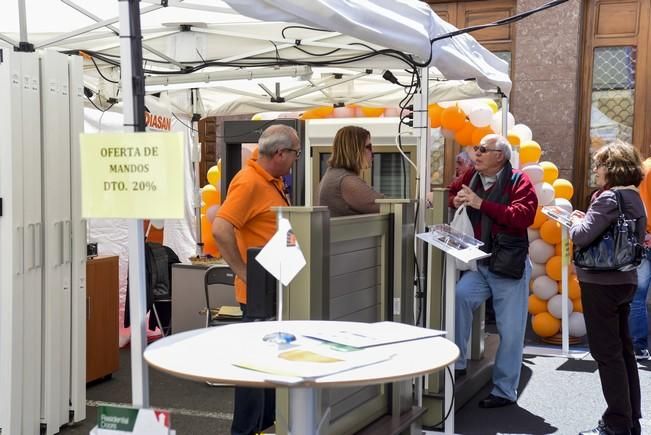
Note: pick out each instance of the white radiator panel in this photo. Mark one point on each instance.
(33, 278)
(78, 288)
(12, 240)
(58, 243)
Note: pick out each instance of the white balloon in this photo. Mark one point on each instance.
(563, 203)
(576, 325)
(540, 251)
(496, 122)
(535, 172)
(391, 111)
(467, 105)
(538, 269)
(481, 116)
(343, 112)
(545, 288)
(545, 193)
(555, 306)
(522, 131)
(533, 234)
(446, 104)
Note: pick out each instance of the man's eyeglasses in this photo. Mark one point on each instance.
(482, 149)
(298, 151)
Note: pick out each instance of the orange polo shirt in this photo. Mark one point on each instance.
(645, 192)
(251, 194)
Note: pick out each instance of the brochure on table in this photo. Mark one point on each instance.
(330, 350)
(559, 214)
(461, 246)
(375, 334)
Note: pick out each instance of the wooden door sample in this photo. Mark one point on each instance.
(102, 330)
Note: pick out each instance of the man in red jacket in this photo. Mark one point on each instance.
(501, 204)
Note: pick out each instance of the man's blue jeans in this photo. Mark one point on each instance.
(638, 319)
(510, 298)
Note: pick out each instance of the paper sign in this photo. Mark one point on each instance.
(282, 256)
(132, 175)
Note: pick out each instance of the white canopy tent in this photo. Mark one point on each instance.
(234, 37)
(283, 56)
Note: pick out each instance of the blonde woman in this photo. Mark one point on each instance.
(342, 189)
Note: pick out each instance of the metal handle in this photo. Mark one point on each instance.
(30, 244)
(67, 241)
(20, 250)
(37, 245)
(58, 231)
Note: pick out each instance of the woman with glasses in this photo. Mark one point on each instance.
(342, 189)
(606, 295)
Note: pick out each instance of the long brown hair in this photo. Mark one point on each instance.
(349, 148)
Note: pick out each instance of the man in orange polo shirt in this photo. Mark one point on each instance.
(245, 220)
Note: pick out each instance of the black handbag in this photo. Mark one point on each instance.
(616, 249)
(508, 255)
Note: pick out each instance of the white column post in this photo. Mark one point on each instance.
(130, 20)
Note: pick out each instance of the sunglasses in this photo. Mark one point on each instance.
(369, 146)
(482, 149)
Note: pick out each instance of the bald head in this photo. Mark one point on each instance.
(277, 138)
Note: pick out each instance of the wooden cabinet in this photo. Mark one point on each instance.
(102, 348)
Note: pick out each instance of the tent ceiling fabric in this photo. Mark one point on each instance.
(245, 31)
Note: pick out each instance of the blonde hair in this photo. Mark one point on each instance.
(349, 148)
(622, 162)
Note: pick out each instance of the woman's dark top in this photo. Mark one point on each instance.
(345, 193)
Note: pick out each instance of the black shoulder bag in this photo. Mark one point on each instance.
(616, 249)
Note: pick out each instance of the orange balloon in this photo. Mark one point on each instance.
(545, 325)
(209, 245)
(453, 118)
(210, 195)
(372, 112)
(540, 219)
(513, 139)
(434, 112)
(530, 152)
(479, 134)
(317, 113)
(553, 268)
(574, 288)
(550, 172)
(550, 232)
(563, 188)
(577, 305)
(536, 305)
(464, 136)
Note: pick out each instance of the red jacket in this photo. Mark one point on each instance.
(512, 218)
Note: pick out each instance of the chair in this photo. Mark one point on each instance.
(216, 275)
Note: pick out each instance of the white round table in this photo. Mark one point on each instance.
(209, 354)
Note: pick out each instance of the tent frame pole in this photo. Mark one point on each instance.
(133, 93)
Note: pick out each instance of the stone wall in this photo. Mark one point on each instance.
(546, 75)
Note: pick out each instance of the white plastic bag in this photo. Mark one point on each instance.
(461, 222)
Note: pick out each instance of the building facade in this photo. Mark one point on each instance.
(580, 72)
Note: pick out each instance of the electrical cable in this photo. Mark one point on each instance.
(97, 107)
(183, 123)
(503, 21)
(447, 414)
(100, 72)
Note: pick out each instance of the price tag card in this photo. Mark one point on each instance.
(132, 175)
